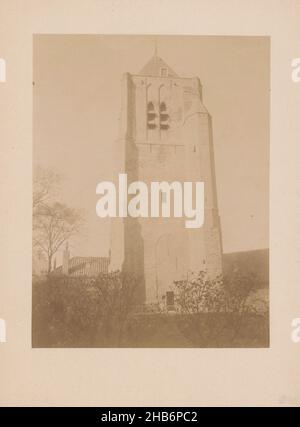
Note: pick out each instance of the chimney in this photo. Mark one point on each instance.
(66, 256)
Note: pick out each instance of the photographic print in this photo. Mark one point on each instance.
(150, 191)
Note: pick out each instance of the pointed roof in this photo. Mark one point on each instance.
(154, 66)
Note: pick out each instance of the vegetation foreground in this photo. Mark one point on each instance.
(103, 312)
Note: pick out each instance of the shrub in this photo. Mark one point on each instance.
(228, 303)
(82, 311)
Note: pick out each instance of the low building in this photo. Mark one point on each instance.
(82, 266)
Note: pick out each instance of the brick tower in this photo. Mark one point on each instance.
(165, 135)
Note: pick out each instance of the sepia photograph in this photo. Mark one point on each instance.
(150, 218)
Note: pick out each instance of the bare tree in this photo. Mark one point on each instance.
(53, 222)
(45, 184)
(53, 225)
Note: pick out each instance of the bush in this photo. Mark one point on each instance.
(200, 294)
(82, 311)
(104, 312)
(229, 304)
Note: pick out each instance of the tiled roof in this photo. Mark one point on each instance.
(86, 266)
(154, 66)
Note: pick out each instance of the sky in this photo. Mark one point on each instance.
(76, 105)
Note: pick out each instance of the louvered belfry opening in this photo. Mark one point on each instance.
(151, 116)
(163, 116)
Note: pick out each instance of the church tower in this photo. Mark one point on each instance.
(165, 135)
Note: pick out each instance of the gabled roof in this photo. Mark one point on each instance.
(154, 66)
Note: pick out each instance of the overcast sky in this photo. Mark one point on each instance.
(77, 103)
